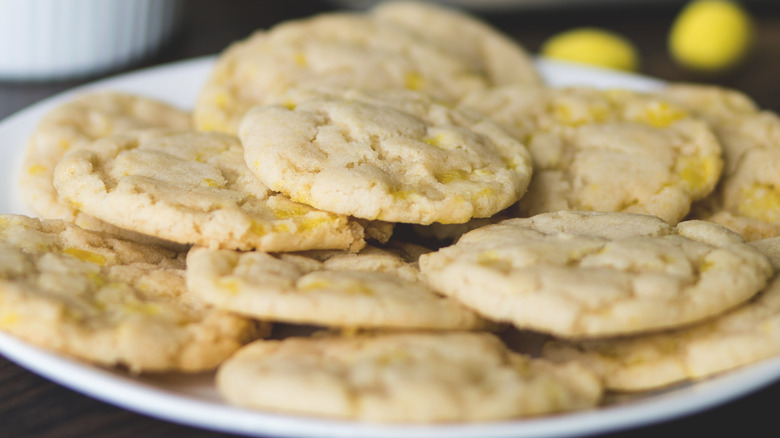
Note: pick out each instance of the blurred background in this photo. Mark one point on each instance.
(206, 27)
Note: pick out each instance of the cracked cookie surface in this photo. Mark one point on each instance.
(499, 58)
(409, 377)
(613, 150)
(747, 199)
(587, 274)
(744, 335)
(373, 288)
(75, 124)
(194, 188)
(338, 50)
(108, 300)
(393, 156)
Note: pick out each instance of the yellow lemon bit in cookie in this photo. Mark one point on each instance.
(281, 228)
(711, 35)
(393, 358)
(308, 285)
(140, 308)
(762, 202)
(312, 223)
(8, 319)
(351, 287)
(36, 169)
(87, 256)
(512, 162)
(697, 172)
(487, 172)
(661, 115)
(493, 260)
(290, 210)
(767, 326)
(358, 288)
(257, 228)
(564, 115)
(223, 100)
(302, 196)
(96, 279)
(706, 266)
(451, 175)
(589, 45)
(522, 368)
(229, 285)
(290, 105)
(300, 60)
(402, 194)
(595, 113)
(485, 192)
(208, 182)
(433, 141)
(414, 81)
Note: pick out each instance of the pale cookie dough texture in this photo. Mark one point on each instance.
(411, 378)
(745, 335)
(499, 58)
(747, 199)
(193, 188)
(336, 49)
(373, 288)
(395, 156)
(606, 150)
(107, 300)
(75, 124)
(587, 274)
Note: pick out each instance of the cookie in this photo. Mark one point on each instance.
(411, 377)
(193, 188)
(373, 288)
(747, 199)
(335, 49)
(745, 335)
(108, 301)
(78, 123)
(588, 274)
(393, 156)
(612, 151)
(496, 56)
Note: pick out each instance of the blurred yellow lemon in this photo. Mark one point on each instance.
(590, 45)
(711, 35)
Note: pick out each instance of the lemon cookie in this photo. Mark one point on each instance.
(411, 377)
(612, 150)
(373, 288)
(193, 188)
(395, 156)
(108, 300)
(747, 199)
(742, 336)
(499, 58)
(78, 123)
(336, 49)
(588, 274)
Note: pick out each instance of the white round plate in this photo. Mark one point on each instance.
(193, 400)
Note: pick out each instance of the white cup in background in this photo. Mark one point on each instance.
(43, 40)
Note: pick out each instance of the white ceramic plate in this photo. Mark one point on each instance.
(192, 399)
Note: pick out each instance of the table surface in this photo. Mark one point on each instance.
(33, 406)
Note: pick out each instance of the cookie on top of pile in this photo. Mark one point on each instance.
(273, 232)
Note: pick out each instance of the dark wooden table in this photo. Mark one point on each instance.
(31, 406)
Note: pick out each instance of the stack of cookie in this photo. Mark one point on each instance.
(323, 151)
